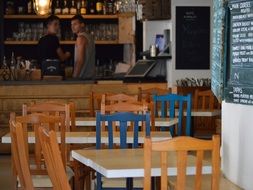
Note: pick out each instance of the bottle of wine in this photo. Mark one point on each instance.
(73, 10)
(110, 6)
(57, 8)
(105, 7)
(30, 7)
(78, 7)
(92, 7)
(99, 7)
(83, 7)
(65, 9)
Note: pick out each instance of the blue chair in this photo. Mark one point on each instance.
(123, 118)
(168, 103)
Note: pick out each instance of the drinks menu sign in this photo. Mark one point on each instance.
(240, 85)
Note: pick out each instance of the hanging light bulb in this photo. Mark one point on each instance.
(42, 7)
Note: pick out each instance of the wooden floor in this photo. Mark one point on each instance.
(5, 178)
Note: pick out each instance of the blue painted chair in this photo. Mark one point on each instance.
(168, 104)
(123, 118)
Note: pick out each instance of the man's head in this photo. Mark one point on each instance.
(77, 24)
(53, 24)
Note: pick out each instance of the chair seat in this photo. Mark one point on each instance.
(121, 183)
(40, 181)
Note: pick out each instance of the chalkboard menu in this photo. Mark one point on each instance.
(192, 38)
(219, 47)
(240, 86)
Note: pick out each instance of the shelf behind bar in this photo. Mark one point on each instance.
(8, 42)
(68, 16)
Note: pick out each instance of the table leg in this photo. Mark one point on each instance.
(129, 183)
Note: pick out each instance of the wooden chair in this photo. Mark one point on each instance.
(146, 95)
(19, 156)
(122, 118)
(182, 145)
(95, 102)
(169, 102)
(31, 122)
(111, 104)
(53, 159)
(54, 108)
(205, 101)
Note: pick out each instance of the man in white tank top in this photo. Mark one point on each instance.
(84, 62)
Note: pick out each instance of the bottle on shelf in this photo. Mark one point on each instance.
(83, 7)
(65, 9)
(13, 61)
(57, 8)
(110, 7)
(104, 7)
(78, 7)
(30, 7)
(73, 9)
(99, 7)
(4, 65)
(92, 7)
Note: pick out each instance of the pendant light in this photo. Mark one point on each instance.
(42, 7)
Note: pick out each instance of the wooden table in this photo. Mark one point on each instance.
(129, 162)
(90, 137)
(91, 121)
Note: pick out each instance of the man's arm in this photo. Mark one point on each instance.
(62, 56)
(80, 55)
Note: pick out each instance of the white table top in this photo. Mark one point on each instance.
(129, 162)
(90, 137)
(91, 121)
(204, 113)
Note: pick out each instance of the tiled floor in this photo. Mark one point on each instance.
(5, 178)
(5, 172)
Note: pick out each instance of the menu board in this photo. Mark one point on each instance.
(192, 38)
(219, 47)
(240, 86)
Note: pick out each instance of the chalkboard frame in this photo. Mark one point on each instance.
(183, 62)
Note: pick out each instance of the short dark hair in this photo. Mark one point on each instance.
(50, 19)
(78, 17)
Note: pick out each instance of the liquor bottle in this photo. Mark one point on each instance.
(105, 7)
(78, 7)
(83, 7)
(30, 7)
(92, 7)
(57, 8)
(99, 7)
(73, 10)
(110, 6)
(65, 9)
(13, 61)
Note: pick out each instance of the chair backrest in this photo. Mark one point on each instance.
(182, 145)
(54, 108)
(19, 155)
(169, 104)
(31, 123)
(113, 103)
(120, 98)
(53, 159)
(123, 118)
(95, 102)
(205, 101)
(146, 94)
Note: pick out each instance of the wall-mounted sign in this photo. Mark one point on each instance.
(192, 38)
(240, 85)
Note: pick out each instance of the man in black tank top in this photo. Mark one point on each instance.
(84, 63)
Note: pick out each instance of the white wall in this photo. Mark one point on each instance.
(237, 142)
(151, 28)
